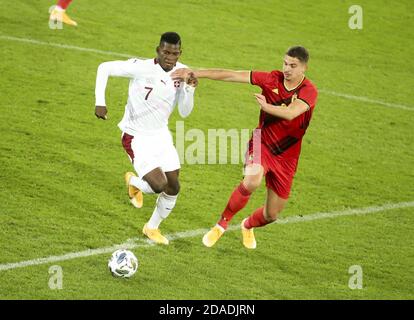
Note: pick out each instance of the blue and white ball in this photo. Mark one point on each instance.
(123, 263)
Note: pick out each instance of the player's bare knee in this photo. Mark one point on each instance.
(173, 188)
(159, 186)
(252, 184)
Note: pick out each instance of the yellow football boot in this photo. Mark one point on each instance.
(154, 235)
(135, 195)
(248, 236)
(211, 237)
(62, 17)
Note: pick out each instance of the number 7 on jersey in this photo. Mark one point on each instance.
(149, 91)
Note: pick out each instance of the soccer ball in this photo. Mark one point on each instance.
(123, 263)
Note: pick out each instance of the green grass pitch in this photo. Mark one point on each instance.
(61, 170)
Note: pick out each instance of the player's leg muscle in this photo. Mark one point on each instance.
(253, 178)
(274, 205)
(157, 180)
(173, 185)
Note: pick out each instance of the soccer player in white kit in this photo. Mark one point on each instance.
(145, 134)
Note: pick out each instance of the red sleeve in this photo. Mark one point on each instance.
(308, 94)
(258, 78)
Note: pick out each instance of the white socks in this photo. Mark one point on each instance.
(141, 185)
(165, 203)
(164, 206)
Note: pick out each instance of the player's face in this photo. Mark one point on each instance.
(293, 68)
(168, 55)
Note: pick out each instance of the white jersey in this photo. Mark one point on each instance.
(152, 94)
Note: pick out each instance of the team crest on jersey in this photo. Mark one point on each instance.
(276, 90)
(176, 84)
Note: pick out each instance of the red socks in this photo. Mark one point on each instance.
(256, 219)
(64, 3)
(237, 201)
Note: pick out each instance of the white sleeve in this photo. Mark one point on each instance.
(185, 100)
(128, 69)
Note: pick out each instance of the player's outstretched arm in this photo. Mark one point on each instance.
(290, 112)
(214, 74)
(128, 69)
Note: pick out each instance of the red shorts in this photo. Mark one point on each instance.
(279, 172)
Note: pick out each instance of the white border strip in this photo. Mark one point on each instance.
(139, 242)
(125, 55)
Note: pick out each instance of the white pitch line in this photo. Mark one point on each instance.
(139, 242)
(125, 55)
(368, 100)
(66, 46)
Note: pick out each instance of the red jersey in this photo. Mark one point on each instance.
(283, 137)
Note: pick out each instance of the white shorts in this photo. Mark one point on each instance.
(151, 150)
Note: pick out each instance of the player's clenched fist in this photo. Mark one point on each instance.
(261, 100)
(100, 112)
(192, 80)
(183, 74)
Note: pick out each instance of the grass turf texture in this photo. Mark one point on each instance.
(61, 170)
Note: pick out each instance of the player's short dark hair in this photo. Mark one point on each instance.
(171, 38)
(299, 52)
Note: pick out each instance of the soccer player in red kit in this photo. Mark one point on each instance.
(59, 13)
(287, 101)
